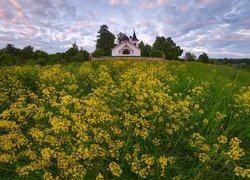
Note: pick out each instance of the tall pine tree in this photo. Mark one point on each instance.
(105, 40)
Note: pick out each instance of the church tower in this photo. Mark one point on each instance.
(133, 39)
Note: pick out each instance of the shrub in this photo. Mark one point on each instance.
(98, 53)
(156, 53)
(203, 58)
(85, 55)
(8, 59)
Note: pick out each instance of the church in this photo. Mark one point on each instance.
(128, 46)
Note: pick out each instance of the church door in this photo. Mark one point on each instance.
(125, 51)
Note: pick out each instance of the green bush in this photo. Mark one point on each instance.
(203, 58)
(99, 53)
(8, 59)
(156, 53)
(85, 55)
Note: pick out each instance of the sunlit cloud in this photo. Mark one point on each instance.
(118, 2)
(151, 4)
(17, 8)
(163, 1)
(2, 14)
(220, 28)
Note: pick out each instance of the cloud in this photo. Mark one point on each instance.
(230, 18)
(118, 2)
(151, 4)
(40, 21)
(17, 8)
(207, 2)
(163, 1)
(220, 28)
(2, 14)
(184, 7)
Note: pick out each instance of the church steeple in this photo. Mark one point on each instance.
(134, 38)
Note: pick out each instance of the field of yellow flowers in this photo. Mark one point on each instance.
(124, 120)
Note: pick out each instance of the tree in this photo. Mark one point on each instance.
(75, 47)
(75, 55)
(40, 54)
(56, 58)
(27, 53)
(145, 49)
(156, 53)
(119, 37)
(71, 52)
(203, 58)
(189, 57)
(168, 47)
(105, 40)
(141, 45)
(8, 59)
(10, 49)
(85, 54)
(98, 53)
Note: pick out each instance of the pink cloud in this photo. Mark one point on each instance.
(118, 2)
(163, 1)
(207, 2)
(184, 7)
(28, 29)
(247, 21)
(17, 8)
(2, 14)
(150, 4)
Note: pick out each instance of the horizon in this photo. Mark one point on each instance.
(219, 28)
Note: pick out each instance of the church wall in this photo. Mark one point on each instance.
(115, 51)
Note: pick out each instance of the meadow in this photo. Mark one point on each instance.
(124, 120)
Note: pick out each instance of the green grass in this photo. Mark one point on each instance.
(127, 102)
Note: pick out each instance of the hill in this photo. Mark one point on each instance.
(124, 119)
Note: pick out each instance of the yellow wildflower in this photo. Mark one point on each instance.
(235, 151)
(115, 169)
(239, 171)
(205, 122)
(222, 139)
(99, 177)
(203, 157)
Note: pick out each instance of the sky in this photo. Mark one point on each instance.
(221, 28)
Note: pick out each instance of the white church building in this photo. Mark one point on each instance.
(128, 46)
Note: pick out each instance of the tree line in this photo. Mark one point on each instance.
(163, 47)
(10, 55)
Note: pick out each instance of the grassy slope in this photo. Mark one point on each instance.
(223, 81)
